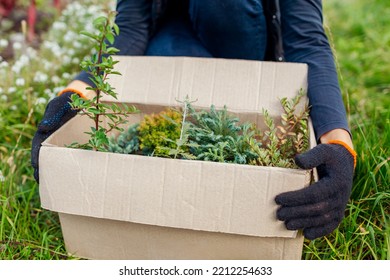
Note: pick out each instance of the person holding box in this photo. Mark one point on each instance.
(286, 30)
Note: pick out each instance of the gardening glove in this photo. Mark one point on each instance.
(58, 112)
(319, 208)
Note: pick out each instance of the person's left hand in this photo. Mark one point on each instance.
(319, 208)
(58, 112)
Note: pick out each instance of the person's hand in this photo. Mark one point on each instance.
(319, 208)
(58, 112)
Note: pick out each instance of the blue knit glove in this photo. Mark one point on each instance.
(319, 208)
(58, 112)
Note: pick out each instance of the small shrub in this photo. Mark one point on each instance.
(157, 131)
(217, 136)
(127, 142)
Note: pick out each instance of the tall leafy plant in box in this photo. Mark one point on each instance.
(100, 65)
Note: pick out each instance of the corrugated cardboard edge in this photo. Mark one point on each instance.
(132, 241)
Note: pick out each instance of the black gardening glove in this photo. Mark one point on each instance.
(57, 113)
(319, 208)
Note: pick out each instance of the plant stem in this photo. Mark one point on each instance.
(184, 119)
(98, 91)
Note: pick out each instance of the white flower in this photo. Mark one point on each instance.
(58, 25)
(66, 59)
(4, 64)
(3, 43)
(31, 53)
(11, 89)
(2, 178)
(16, 68)
(17, 45)
(55, 79)
(20, 82)
(70, 36)
(76, 60)
(13, 108)
(53, 47)
(24, 59)
(47, 91)
(40, 77)
(71, 52)
(47, 65)
(41, 100)
(20, 63)
(66, 75)
(3, 97)
(77, 44)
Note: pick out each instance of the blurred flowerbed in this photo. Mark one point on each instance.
(37, 72)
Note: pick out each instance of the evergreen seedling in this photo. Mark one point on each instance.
(127, 142)
(217, 136)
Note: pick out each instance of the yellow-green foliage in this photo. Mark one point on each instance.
(158, 132)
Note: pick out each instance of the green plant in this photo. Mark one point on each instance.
(127, 142)
(280, 143)
(100, 66)
(182, 145)
(216, 136)
(158, 132)
(293, 132)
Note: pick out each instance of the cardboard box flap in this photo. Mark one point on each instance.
(217, 197)
(241, 85)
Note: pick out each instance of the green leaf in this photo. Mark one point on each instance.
(116, 28)
(93, 110)
(90, 35)
(112, 50)
(116, 73)
(99, 21)
(110, 38)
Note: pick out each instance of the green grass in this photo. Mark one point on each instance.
(362, 43)
(26, 231)
(361, 38)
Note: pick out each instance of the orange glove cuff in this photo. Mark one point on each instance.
(345, 145)
(79, 93)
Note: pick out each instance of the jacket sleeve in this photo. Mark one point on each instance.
(134, 22)
(305, 41)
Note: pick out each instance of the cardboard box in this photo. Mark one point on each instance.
(115, 206)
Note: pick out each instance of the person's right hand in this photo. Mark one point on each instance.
(57, 113)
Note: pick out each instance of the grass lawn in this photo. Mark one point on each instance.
(361, 38)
